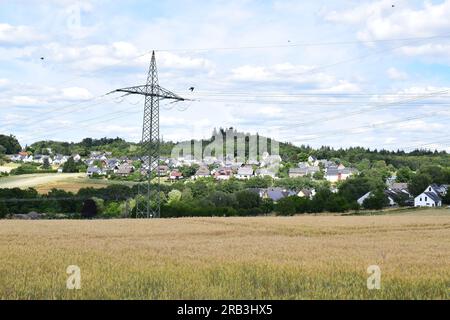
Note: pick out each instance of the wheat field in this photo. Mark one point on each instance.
(303, 257)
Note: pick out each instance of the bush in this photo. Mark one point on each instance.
(89, 209)
(29, 169)
(376, 201)
(3, 210)
(112, 210)
(286, 206)
(247, 200)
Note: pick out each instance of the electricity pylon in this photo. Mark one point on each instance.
(150, 153)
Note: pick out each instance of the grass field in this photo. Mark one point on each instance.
(7, 167)
(305, 257)
(44, 182)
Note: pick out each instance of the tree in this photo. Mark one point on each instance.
(186, 195)
(222, 199)
(302, 157)
(112, 210)
(247, 200)
(446, 198)
(89, 209)
(419, 183)
(286, 206)
(319, 175)
(267, 205)
(99, 204)
(353, 188)
(3, 210)
(318, 203)
(258, 182)
(436, 173)
(2, 151)
(336, 203)
(404, 174)
(174, 196)
(376, 201)
(10, 144)
(70, 166)
(189, 171)
(46, 164)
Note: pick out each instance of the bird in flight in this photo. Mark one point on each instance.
(192, 89)
(42, 58)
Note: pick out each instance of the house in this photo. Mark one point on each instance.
(175, 175)
(428, 199)
(244, 173)
(202, 172)
(113, 165)
(402, 186)
(432, 196)
(77, 157)
(335, 174)
(209, 160)
(37, 158)
(125, 169)
(276, 193)
(265, 173)
(325, 163)
(270, 160)
(60, 159)
(306, 193)
(393, 196)
(93, 170)
(303, 171)
(313, 161)
(163, 170)
(28, 159)
(223, 173)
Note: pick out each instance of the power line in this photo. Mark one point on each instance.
(346, 131)
(304, 44)
(370, 108)
(55, 110)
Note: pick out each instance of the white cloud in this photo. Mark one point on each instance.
(76, 93)
(395, 74)
(382, 21)
(287, 74)
(250, 73)
(17, 35)
(23, 101)
(433, 51)
(270, 111)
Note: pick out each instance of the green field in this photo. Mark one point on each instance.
(302, 257)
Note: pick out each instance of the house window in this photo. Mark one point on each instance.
(420, 199)
(426, 198)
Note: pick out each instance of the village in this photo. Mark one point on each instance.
(103, 165)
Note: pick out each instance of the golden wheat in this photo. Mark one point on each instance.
(305, 257)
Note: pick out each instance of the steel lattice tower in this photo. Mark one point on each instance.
(150, 144)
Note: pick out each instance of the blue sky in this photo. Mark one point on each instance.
(339, 73)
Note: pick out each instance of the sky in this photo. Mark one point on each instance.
(374, 74)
